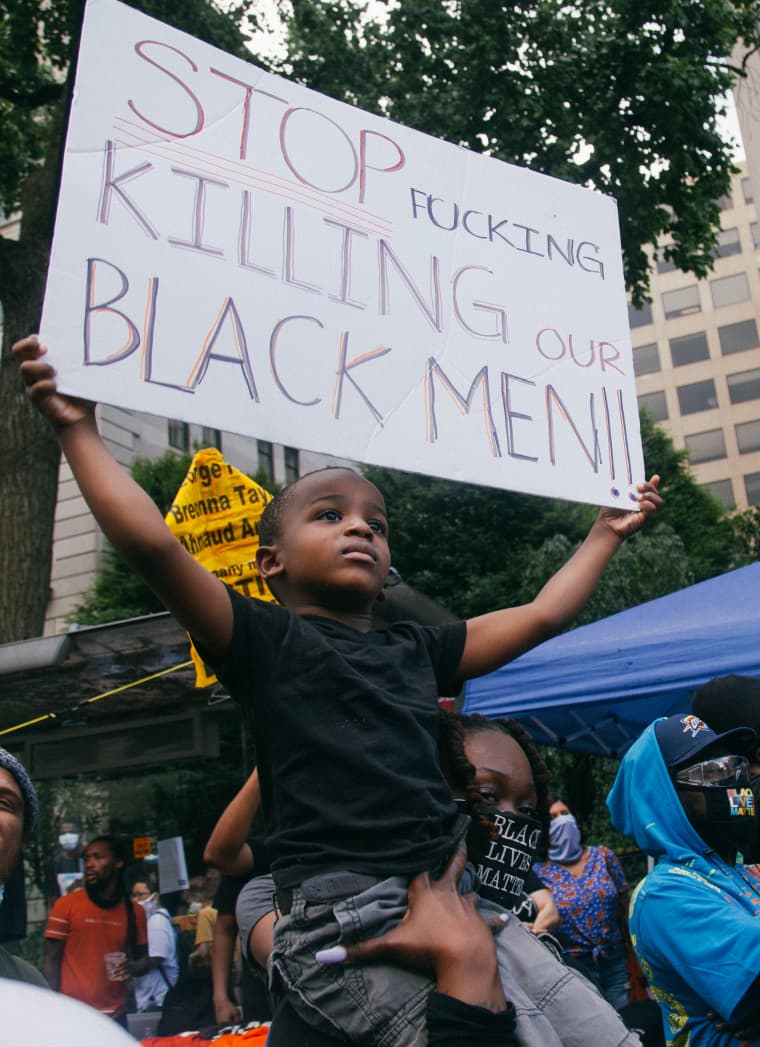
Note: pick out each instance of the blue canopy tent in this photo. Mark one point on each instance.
(595, 688)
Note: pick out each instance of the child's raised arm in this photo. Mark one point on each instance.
(129, 518)
(498, 637)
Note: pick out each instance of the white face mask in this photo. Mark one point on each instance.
(150, 905)
(68, 841)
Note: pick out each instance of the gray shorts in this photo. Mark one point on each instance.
(255, 901)
(369, 1004)
(384, 1006)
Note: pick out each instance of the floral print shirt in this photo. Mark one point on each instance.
(589, 904)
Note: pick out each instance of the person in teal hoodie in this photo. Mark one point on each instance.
(683, 793)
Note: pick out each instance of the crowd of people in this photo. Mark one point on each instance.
(417, 882)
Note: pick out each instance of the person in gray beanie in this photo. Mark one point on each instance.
(18, 817)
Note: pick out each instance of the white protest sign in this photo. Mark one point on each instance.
(235, 250)
(172, 868)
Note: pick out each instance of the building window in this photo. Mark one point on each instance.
(754, 228)
(723, 490)
(747, 193)
(211, 438)
(725, 203)
(665, 265)
(689, 349)
(752, 487)
(639, 317)
(698, 396)
(743, 386)
(681, 302)
(729, 289)
(706, 447)
(748, 436)
(654, 404)
(735, 338)
(266, 459)
(728, 243)
(646, 359)
(179, 435)
(291, 464)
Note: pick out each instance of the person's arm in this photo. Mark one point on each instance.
(498, 637)
(51, 962)
(227, 846)
(747, 1028)
(128, 516)
(547, 914)
(225, 931)
(139, 965)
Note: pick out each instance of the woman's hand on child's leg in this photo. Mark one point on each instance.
(441, 933)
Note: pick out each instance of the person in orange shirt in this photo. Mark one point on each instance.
(91, 923)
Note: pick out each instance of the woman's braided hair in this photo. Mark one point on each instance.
(460, 773)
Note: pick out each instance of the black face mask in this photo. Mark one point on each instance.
(729, 822)
(503, 860)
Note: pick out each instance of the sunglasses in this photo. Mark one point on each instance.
(722, 771)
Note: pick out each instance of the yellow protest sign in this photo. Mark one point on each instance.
(215, 516)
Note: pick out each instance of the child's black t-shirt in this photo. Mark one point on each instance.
(346, 728)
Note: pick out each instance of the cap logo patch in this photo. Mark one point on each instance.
(741, 802)
(693, 724)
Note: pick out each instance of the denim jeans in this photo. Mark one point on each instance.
(385, 1006)
(609, 974)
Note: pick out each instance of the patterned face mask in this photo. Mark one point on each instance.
(502, 859)
(729, 819)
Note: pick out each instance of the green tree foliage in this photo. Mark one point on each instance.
(38, 40)
(117, 592)
(475, 548)
(621, 96)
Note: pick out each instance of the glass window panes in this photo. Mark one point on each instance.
(735, 338)
(729, 289)
(266, 459)
(646, 359)
(748, 436)
(179, 435)
(654, 404)
(665, 265)
(697, 396)
(743, 386)
(706, 447)
(752, 487)
(754, 228)
(724, 202)
(689, 349)
(681, 302)
(723, 490)
(728, 243)
(291, 464)
(211, 438)
(747, 193)
(639, 317)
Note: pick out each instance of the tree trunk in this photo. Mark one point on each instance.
(29, 453)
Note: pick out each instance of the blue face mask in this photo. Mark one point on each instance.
(564, 839)
(2, 892)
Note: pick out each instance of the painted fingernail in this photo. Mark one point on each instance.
(336, 954)
(504, 917)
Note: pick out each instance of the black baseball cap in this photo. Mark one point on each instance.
(684, 738)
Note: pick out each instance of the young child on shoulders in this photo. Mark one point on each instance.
(345, 717)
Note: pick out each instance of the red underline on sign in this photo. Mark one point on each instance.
(245, 174)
